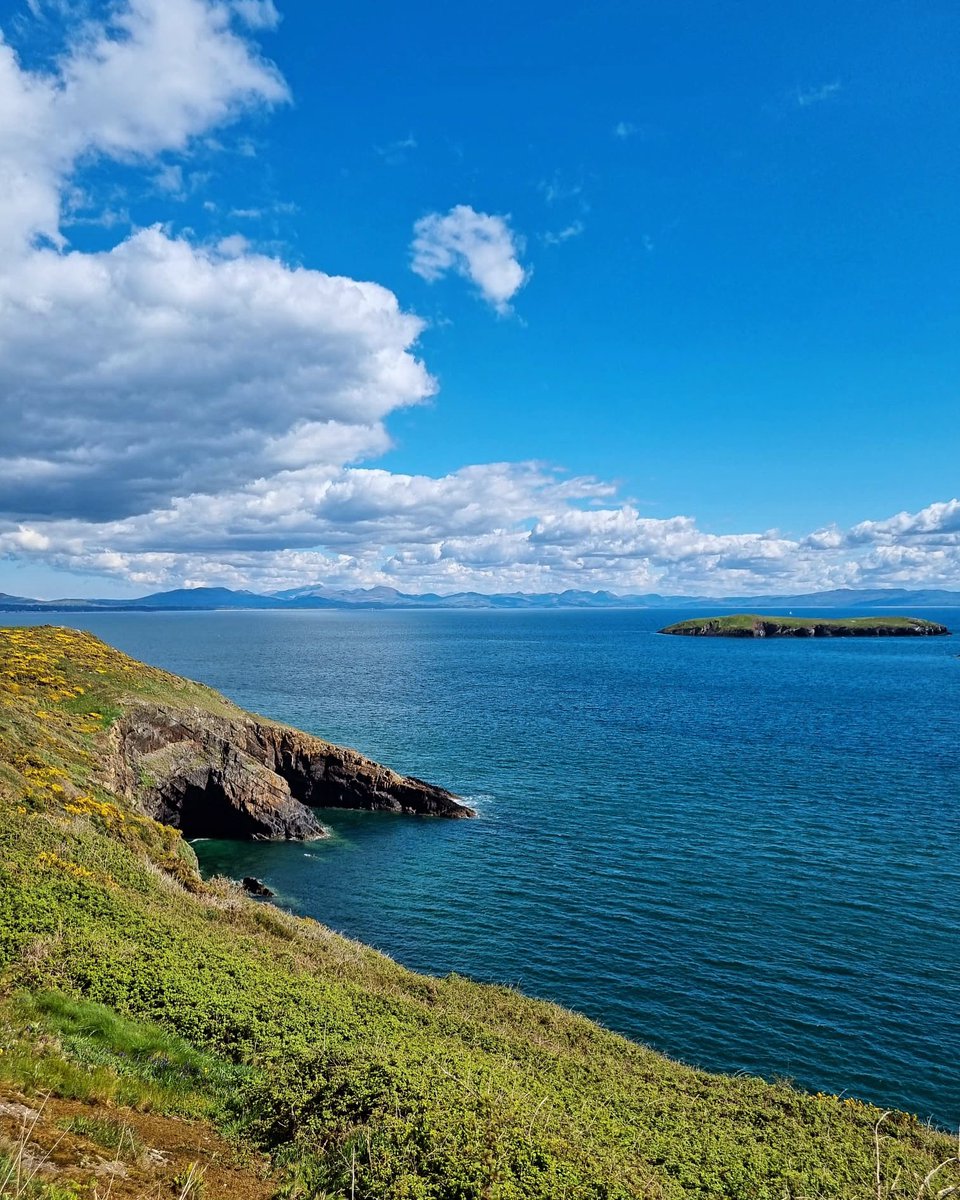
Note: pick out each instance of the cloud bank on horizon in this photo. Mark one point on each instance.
(177, 412)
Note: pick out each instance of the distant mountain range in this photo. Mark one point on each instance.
(317, 596)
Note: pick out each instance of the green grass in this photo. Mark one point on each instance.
(18, 1181)
(104, 1132)
(747, 621)
(82, 1050)
(363, 1079)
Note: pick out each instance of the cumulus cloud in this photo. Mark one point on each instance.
(176, 412)
(258, 14)
(161, 368)
(147, 79)
(936, 523)
(489, 527)
(478, 246)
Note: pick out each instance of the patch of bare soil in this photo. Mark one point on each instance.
(158, 1159)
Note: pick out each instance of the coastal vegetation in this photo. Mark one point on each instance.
(751, 625)
(160, 1033)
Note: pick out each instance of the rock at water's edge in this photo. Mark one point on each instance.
(244, 777)
(775, 627)
(256, 887)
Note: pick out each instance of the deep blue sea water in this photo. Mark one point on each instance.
(742, 853)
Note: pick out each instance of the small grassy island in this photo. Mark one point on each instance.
(166, 1035)
(745, 625)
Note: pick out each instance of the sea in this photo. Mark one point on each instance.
(743, 853)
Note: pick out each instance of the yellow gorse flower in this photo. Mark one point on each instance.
(55, 862)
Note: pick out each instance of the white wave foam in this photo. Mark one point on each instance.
(479, 801)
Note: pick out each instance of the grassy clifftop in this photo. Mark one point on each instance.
(751, 625)
(132, 986)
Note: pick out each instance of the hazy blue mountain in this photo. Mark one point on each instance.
(320, 596)
(852, 598)
(8, 601)
(201, 598)
(932, 597)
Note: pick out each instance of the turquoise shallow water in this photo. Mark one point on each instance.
(742, 853)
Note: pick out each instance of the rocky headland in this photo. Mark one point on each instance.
(241, 776)
(183, 755)
(160, 1030)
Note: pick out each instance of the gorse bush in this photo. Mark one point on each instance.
(363, 1080)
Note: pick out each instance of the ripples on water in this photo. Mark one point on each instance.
(744, 854)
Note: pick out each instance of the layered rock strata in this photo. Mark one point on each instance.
(213, 776)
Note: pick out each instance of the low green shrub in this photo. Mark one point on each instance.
(129, 980)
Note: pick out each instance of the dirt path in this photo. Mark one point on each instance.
(156, 1160)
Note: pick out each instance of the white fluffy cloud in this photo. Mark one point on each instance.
(493, 527)
(148, 79)
(182, 413)
(161, 368)
(935, 524)
(478, 246)
(258, 14)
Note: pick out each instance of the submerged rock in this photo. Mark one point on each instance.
(245, 777)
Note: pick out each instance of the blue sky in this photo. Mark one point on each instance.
(733, 355)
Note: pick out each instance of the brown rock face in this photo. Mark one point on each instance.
(826, 629)
(213, 776)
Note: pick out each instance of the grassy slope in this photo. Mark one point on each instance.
(363, 1079)
(747, 621)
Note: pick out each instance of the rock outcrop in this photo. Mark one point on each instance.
(774, 627)
(219, 776)
(826, 629)
(256, 887)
